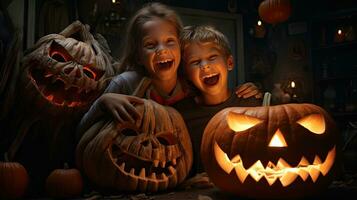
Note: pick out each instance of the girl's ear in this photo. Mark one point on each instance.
(230, 62)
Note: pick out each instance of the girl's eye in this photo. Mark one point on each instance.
(149, 45)
(195, 62)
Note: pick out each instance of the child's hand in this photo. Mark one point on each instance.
(120, 106)
(248, 90)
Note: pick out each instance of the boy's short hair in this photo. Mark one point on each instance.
(204, 33)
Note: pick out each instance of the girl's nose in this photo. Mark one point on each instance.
(161, 49)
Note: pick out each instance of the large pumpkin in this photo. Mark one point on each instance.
(277, 151)
(153, 154)
(58, 79)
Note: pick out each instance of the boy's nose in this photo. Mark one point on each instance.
(204, 65)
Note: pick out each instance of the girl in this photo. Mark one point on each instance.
(152, 51)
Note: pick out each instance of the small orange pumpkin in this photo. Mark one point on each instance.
(274, 11)
(64, 183)
(282, 151)
(13, 179)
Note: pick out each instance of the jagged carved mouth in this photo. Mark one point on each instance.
(143, 169)
(281, 171)
(53, 88)
(211, 80)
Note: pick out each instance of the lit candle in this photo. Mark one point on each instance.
(259, 23)
(339, 31)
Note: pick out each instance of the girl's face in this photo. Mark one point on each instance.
(160, 49)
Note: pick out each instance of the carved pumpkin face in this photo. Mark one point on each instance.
(68, 69)
(281, 151)
(153, 154)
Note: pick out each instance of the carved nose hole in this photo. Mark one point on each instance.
(278, 140)
(129, 132)
(68, 70)
(72, 71)
(145, 143)
(167, 139)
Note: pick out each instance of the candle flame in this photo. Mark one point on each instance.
(259, 23)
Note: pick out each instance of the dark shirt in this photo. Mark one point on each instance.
(197, 117)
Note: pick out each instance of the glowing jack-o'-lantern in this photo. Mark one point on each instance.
(281, 151)
(69, 68)
(47, 94)
(153, 154)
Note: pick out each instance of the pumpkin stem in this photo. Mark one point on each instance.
(6, 157)
(65, 166)
(266, 99)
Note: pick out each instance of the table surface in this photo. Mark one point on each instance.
(342, 189)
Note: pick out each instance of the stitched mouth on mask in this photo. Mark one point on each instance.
(211, 79)
(164, 65)
(137, 167)
(56, 91)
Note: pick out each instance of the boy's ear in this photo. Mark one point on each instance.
(230, 62)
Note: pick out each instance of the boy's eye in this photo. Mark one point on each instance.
(213, 57)
(171, 41)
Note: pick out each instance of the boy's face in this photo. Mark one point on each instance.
(160, 51)
(207, 67)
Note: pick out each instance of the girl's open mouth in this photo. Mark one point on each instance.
(165, 64)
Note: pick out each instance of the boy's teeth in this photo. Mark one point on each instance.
(209, 76)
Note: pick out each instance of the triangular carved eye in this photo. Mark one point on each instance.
(314, 123)
(238, 122)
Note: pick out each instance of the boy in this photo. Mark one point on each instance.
(207, 59)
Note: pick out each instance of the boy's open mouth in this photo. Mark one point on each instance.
(211, 79)
(165, 64)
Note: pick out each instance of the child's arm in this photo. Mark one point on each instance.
(124, 83)
(121, 107)
(247, 90)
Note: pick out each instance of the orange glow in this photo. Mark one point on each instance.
(88, 69)
(238, 122)
(281, 171)
(314, 123)
(277, 140)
